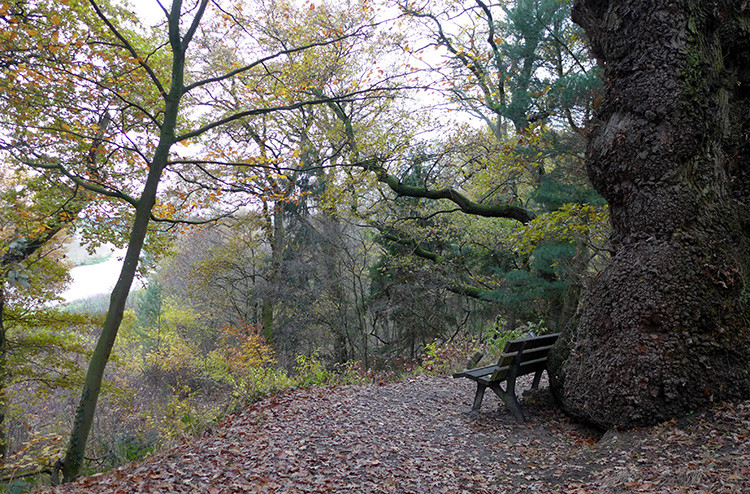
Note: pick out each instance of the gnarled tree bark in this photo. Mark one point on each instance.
(665, 327)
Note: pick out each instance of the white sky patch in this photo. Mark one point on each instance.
(148, 11)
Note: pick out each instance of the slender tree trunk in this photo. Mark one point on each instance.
(71, 465)
(267, 317)
(278, 243)
(92, 387)
(664, 329)
(3, 374)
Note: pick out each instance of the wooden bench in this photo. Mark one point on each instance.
(520, 357)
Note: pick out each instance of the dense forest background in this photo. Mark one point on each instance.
(324, 192)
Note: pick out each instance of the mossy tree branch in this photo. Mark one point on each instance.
(465, 204)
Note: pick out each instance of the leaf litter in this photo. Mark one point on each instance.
(415, 436)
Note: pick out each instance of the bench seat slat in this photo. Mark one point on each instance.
(474, 374)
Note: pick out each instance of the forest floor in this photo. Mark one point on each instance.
(416, 436)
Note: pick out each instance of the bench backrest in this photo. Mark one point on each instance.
(530, 352)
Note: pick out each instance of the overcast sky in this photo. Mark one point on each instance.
(149, 10)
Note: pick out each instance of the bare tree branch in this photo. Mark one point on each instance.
(152, 75)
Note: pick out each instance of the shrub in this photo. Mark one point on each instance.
(310, 371)
(443, 357)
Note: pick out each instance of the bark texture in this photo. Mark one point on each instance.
(665, 327)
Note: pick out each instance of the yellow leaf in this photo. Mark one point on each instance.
(55, 20)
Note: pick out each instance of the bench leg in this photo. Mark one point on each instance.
(509, 398)
(510, 392)
(537, 378)
(478, 397)
(515, 408)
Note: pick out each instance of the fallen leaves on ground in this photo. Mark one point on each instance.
(416, 437)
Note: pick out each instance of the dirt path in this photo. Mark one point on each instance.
(414, 437)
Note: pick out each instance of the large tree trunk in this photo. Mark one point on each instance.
(664, 329)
